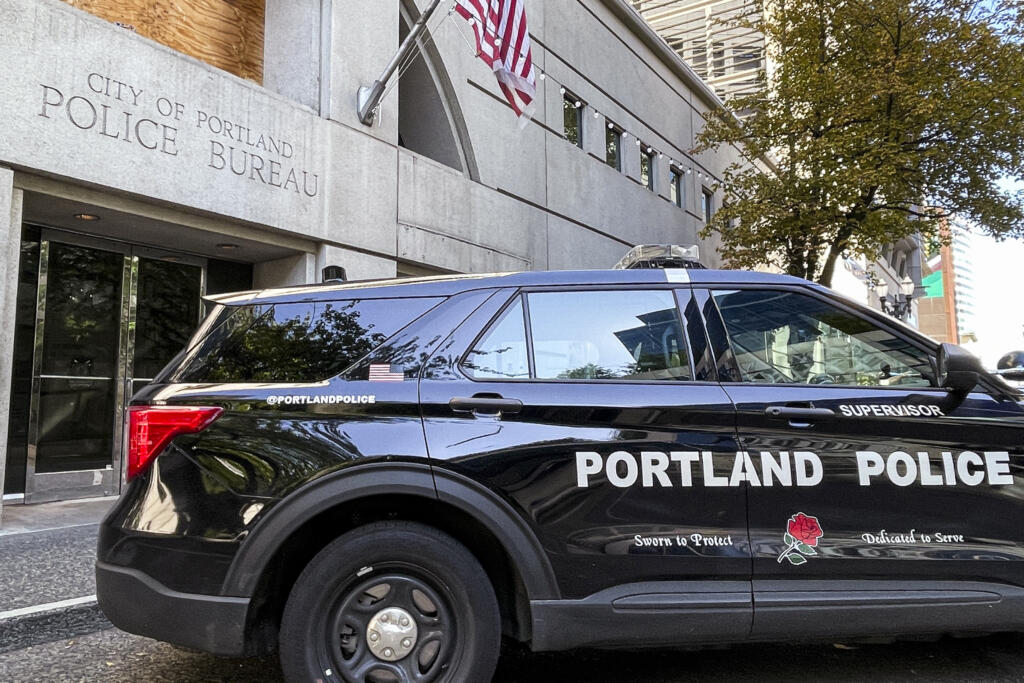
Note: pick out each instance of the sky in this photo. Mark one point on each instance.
(998, 275)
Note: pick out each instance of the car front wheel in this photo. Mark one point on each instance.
(391, 602)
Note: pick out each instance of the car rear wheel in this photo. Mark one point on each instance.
(391, 602)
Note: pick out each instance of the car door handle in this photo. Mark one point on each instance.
(486, 405)
(799, 417)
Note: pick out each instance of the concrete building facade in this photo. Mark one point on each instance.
(138, 174)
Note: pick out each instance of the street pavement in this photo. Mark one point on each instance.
(76, 643)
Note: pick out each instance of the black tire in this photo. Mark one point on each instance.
(372, 571)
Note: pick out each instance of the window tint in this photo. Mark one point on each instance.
(607, 335)
(784, 337)
(294, 342)
(501, 352)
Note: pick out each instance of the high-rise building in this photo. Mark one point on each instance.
(714, 38)
(963, 267)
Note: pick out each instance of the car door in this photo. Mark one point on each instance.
(873, 489)
(580, 408)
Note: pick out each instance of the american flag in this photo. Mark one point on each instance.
(503, 42)
(386, 373)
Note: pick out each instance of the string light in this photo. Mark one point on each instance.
(624, 134)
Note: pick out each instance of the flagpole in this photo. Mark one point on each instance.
(369, 97)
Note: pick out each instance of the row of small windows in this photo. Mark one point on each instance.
(572, 121)
(744, 58)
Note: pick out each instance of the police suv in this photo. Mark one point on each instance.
(382, 479)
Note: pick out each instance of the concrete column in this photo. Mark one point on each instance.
(593, 132)
(363, 39)
(10, 251)
(661, 177)
(630, 157)
(299, 269)
(292, 50)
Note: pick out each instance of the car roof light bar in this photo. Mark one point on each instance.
(661, 256)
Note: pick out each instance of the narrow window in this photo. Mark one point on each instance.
(707, 205)
(647, 166)
(572, 118)
(613, 146)
(675, 185)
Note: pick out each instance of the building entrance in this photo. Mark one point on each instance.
(107, 317)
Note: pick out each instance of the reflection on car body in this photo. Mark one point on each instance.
(381, 479)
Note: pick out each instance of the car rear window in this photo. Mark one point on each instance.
(293, 342)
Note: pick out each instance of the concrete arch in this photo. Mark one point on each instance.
(430, 119)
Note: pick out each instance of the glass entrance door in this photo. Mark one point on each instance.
(108, 317)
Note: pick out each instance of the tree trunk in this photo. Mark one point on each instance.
(825, 278)
(837, 247)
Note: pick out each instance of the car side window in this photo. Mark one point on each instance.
(786, 337)
(501, 351)
(604, 335)
(607, 334)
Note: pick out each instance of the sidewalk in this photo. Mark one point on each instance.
(47, 585)
(19, 519)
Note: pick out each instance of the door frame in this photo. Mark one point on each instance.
(72, 484)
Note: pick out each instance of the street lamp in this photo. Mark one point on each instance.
(897, 305)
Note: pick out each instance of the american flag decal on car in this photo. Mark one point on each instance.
(386, 373)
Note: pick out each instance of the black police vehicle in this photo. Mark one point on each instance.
(382, 479)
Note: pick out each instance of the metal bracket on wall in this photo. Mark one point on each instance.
(369, 96)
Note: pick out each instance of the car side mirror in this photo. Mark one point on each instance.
(957, 369)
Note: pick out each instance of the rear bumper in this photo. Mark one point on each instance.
(139, 604)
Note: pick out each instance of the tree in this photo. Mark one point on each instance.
(884, 117)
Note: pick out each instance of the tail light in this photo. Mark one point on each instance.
(150, 428)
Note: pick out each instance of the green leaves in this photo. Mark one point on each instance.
(795, 558)
(874, 110)
(806, 549)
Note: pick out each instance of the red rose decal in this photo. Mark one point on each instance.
(805, 529)
(802, 534)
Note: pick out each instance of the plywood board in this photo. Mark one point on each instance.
(227, 34)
